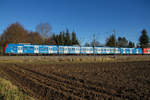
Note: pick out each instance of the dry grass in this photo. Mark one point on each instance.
(11, 92)
(71, 59)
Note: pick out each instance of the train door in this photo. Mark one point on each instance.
(36, 49)
(20, 49)
(137, 51)
(131, 51)
(50, 50)
(124, 51)
(65, 50)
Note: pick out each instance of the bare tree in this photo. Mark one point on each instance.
(44, 29)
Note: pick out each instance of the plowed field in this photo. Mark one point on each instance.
(82, 81)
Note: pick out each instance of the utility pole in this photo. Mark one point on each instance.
(115, 41)
(94, 43)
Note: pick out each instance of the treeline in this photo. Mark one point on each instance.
(15, 33)
(120, 42)
(111, 41)
(64, 38)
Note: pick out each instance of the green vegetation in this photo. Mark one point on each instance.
(144, 39)
(64, 38)
(111, 41)
(11, 92)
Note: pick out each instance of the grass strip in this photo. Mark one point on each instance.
(10, 92)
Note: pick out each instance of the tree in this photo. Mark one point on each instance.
(44, 29)
(95, 44)
(144, 39)
(74, 39)
(87, 44)
(110, 41)
(131, 44)
(57, 39)
(15, 33)
(62, 38)
(67, 38)
(34, 38)
(122, 42)
(50, 41)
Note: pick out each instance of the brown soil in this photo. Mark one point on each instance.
(82, 81)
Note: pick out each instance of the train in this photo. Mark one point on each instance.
(76, 50)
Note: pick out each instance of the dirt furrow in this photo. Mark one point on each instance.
(37, 87)
(79, 89)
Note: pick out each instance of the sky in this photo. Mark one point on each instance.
(85, 17)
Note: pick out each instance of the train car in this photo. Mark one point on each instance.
(69, 50)
(30, 49)
(27, 49)
(86, 50)
(137, 51)
(126, 50)
(52, 49)
(131, 51)
(146, 51)
(106, 50)
(14, 48)
(46, 49)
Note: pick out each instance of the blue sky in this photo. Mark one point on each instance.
(85, 17)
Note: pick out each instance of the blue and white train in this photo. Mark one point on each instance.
(57, 49)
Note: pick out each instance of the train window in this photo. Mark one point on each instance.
(61, 48)
(36, 48)
(50, 48)
(25, 48)
(31, 48)
(83, 49)
(19, 48)
(14, 48)
(46, 48)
